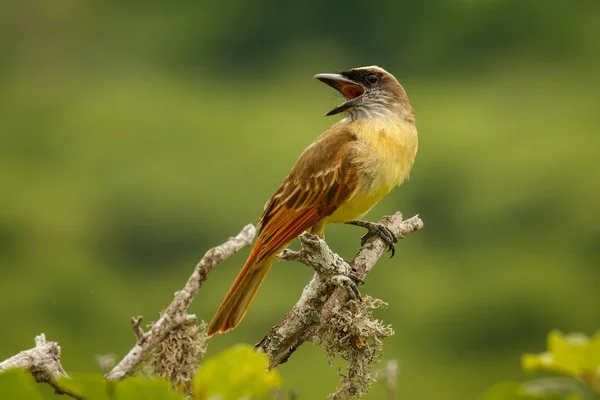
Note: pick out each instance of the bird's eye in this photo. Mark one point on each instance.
(372, 79)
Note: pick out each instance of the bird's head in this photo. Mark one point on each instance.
(369, 92)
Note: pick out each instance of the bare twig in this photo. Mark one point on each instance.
(43, 361)
(320, 300)
(137, 329)
(176, 313)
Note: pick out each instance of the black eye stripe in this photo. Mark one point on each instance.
(362, 76)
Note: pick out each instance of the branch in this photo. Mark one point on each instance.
(320, 300)
(326, 293)
(43, 361)
(176, 313)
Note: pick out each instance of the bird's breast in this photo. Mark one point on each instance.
(383, 157)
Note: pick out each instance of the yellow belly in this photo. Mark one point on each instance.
(358, 205)
(384, 156)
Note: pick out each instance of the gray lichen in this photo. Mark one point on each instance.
(176, 357)
(355, 336)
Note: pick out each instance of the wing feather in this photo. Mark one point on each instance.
(321, 180)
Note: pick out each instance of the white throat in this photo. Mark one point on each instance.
(373, 111)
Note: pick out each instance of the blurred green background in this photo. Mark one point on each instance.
(136, 135)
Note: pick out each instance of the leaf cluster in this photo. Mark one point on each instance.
(574, 362)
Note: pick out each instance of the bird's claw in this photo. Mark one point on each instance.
(384, 233)
(350, 283)
(353, 275)
(377, 229)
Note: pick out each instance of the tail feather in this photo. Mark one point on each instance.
(241, 293)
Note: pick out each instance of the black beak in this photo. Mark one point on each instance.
(351, 90)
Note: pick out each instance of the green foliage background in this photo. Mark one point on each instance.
(136, 135)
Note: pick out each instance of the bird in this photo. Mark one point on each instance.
(338, 178)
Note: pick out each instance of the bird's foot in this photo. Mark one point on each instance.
(377, 229)
(350, 282)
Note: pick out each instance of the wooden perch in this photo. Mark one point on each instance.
(176, 313)
(320, 299)
(331, 287)
(43, 361)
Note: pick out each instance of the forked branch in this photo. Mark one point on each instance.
(320, 300)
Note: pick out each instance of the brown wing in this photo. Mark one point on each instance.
(321, 180)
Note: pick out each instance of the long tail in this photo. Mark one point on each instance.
(241, 293)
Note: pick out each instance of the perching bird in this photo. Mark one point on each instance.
(339, 177)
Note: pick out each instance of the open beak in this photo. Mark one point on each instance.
(348, 88)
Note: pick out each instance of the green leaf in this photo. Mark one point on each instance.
(139, 388)
(18, 384)
(505, 391)
(574, 354)
(92, 386)
(556, 388)
(541, 389)
(237, 373)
